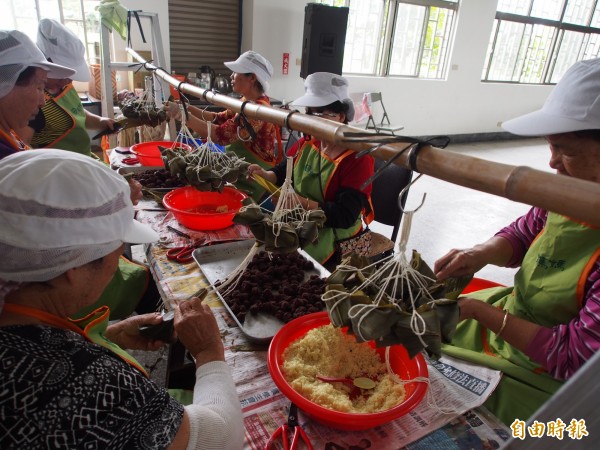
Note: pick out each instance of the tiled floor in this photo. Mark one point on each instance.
(457, 217)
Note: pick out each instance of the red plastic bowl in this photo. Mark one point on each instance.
(197, 209)
(477, 284)
(404, 367)
(149, 154)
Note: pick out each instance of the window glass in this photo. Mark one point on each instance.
(362, 50)
(579, 12)
(407, 40)
(547, 9)
(398, 38)
(79, 16)
(538, 46)
(514, 6)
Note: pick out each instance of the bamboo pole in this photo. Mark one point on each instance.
(569, 196)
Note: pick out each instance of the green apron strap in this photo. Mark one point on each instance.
(75, 139)
(311, 175)
(94, 326)
(124, 291)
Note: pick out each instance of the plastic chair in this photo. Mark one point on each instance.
(379, 125)
(386, 189)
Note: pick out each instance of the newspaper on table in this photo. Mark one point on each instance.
(455, 385)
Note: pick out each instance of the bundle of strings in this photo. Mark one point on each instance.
(288, 228)
(142, 110)
(206, 167)
(395, 303)
(398, 302)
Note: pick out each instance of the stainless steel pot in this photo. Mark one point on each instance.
(222, 84)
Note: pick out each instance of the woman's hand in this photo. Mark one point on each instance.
(135, 191)
(197, 329)
(106, 123)
(458, 262)
(126, 333)
(266, 174)
(173, 110)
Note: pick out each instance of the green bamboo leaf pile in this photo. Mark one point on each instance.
(204, 168)
(292, 229)
(399, 302)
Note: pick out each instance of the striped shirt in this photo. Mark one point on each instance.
(563, 349)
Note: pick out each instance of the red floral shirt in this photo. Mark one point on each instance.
(263, 146)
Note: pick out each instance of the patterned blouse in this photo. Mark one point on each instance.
(564, 348)
(61, 391)
(264, 144)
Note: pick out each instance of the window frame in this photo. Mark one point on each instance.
(385, 45)
(560, 28)
(80, 20)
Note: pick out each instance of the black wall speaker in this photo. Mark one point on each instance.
(324, 39)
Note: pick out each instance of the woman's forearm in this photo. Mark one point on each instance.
(514, 330)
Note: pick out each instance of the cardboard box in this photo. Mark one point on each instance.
(95, 87)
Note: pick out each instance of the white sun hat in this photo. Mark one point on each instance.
(17, 53)
(324, 88)
(573, 105)
(63, 47)
(60, 210)
(252, 62)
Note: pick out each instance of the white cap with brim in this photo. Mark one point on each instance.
(252, 62)
(573, 105)
(61, 210)
(17, 53)
(63, 47)
(324, 88)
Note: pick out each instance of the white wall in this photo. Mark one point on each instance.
(459, 104)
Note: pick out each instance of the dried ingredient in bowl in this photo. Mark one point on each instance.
(276, 285)
(157, 179)
(327, 351)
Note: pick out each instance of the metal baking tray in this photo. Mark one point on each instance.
(218, 261)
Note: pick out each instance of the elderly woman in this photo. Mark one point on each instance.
(251, 139)
(328, 176)
(23, 74)
(542, 330)
(68, 383)
(63, 122)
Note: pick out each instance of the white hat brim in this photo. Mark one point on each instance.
(540, 123)
(140, 233)
(315, 101)
(55, 71)
(82, 72)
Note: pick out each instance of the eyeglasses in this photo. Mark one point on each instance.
(322, 114)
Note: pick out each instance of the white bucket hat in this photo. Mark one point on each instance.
(324, 88)
(17, 53)
(573, 105)
(61, 210)
(252, 62)
(63, 47)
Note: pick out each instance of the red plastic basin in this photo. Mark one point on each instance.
(197, 210)
(404, 367)
(477, 284)
(149, 154)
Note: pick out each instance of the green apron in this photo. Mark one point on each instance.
(124, 291)
(250, 187)
(75, 138)
(548, 291)
(92, 327)
(312, 172)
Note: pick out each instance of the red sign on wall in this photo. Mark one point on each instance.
(286, 63)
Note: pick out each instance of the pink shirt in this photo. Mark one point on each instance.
(564, 348)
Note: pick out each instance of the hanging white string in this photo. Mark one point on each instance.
(430, 396)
